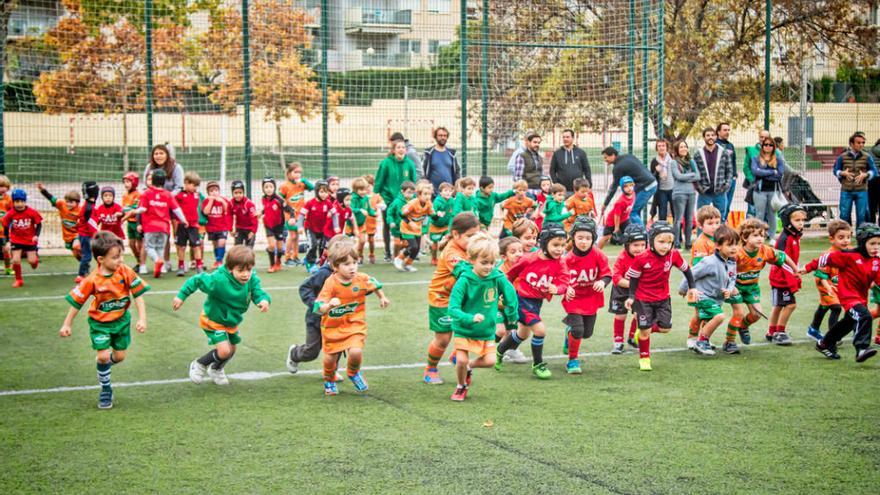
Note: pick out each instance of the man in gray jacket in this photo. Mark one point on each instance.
(715, 166)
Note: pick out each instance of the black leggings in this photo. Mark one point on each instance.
(858, 318)
(413, 245)
(581, 325)
(386, 233)
(820, 315)
(318, 241)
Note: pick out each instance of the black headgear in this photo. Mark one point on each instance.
(237, 184)
(551, 230)
(90, 190)
(341, 194)
(583, 223)
(785, 214)
(269, 180)
(657, 229)
(157, 177)
(865, 232)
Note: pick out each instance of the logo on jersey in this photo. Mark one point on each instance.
(340, 311)
(542, 282)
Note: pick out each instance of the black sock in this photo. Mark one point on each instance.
(209, 358)
(222, 362)
(271, 257)
(834, 316)
(818, 316)
(537, 349)
(510, 342)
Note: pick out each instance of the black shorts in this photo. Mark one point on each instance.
(609, 229)
(581, 324)
(659, 312)
(241, 237)
(617, 301)
(782, 297)
(277, 232)
(187, 235)
(218, 236)
(24, 248)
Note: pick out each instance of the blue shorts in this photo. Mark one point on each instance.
(530, 310)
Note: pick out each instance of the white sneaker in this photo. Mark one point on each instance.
(516, 356)
(410, 268)
(219, 376)
(398, 263)
(691, 343)
(292, 366)
(165, 267)
(197, 372)
(142, 270)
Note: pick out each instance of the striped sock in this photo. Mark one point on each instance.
(435, 354)
(537, 349)
(104, 375)
(730, 336)
(750, 319)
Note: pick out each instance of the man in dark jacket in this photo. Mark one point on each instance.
(645, 183)
(440, 164)
(569, 163)
(716, 171)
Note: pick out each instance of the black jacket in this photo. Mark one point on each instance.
(566, 166)
(629, 165)
(311, 287)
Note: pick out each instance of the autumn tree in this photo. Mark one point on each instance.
(103, 68)
(281, 84)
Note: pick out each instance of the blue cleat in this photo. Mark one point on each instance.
(814, 334)
(359, 383)
(330, 388)
(105, 399)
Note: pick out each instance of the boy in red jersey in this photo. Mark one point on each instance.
(113, 285)
(589, 275)
(109, 214)
(536, 276)
(635, 241)
(244, 216)
(314, 218)
(857, 270)
(840, 236)
(219, 212)
(22, 225)
(649, 287)
(156, 207)
(784, 283)
(618, 218)
(274, 210)
(190, 201)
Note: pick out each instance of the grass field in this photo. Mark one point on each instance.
(771, 420)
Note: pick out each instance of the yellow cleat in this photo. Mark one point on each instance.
(645, 364)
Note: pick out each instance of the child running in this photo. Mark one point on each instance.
(314, 218)
(487, 198)
(22, 226)
(618, 218)
(68, 212)
(342, 304)
(516, 207)
(649, 287)
(857, 269)
(589, 274)
(413, 216)
(109, 214)
(439, 227)
(190, 200)
(362, 210)
(274, 210)
(473, 309)
(511, 250)
(244, 216)
(395, 218)
(155, 208)
(580, 203)
(86, 227)
(464, 198)
(635, 242)
(715, 280)
(219, 213)
(840, 236)
(130, 201)
(229, 291)
(293, 191)
(112, 285)
(536, 276)
(784, 282)
(554, 209)
(463, 227)
(708, 221)
(378, 205)
(526, 231)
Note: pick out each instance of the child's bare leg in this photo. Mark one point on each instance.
(33, 259)
(330, 366)
(774, 316)
(486, 361)
(784, 314)
(355, 357)
(461, 366)
(371, 239)
(181, 255)
(710, 326)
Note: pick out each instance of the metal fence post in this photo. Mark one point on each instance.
(325, 138)
(148, 28)
(767, 28)
(661, 70)
(484, 77)
(2, 105)
(645, 82)
(246, 69)
(631, 64)
(463, 82)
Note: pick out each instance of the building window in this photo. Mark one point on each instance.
(433, 46)
(439, 6)
(414, 46)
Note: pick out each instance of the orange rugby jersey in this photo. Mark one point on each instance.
(350, 316)
(69, 219)
(441, 283)
(130, 202)
(578, 206)
(5, 205)
(370, 223)
(414, 215)
(830, 273)
(112, 293)
(703, 246)
(294, 194)
(516, 208)
(748, 267)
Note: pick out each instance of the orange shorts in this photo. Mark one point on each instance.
(370, 225)
(207, 324)
(334, 341)
(479, 347)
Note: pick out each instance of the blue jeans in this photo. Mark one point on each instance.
(730, 192)
(718, 200)
(860, 198)
(85, 244)
(642, 198)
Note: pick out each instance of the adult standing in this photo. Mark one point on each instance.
(722, 130)
(684, 194)
(629, 165)
(748, 178)
(160, 157)
(767, 169)
(661, 167)
(529, 166)
(440, 164)
(716, 170)
(411, 151)
(569, 162)
(394, 169)
(854, 169)
(874, 187)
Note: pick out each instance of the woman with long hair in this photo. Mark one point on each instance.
(684, 195)
(768, 168)
(160, 157)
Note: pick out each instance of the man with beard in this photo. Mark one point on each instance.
(716, 173)
(440, 164)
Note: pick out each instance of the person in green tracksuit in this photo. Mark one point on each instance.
(394, 170)
(230, 290)
(393, 215)
(554, 208)
(487, 198)
(464, 197)
(441, 218)
(361, 209)
(473, 309)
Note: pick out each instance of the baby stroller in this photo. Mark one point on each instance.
(800, 191)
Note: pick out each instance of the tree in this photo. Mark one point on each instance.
(103, 69)
(281, 84)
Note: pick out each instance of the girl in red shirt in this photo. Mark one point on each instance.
(219, 212)
(314, 217)
(22, 225)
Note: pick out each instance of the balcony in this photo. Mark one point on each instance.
(387, 60)
(377, 21)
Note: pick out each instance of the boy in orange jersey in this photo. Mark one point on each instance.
(68, 212)
(516, 207)
(130, 201)
(581, 202)
(113, 285)
(5, 205)
(840, 236)
(413, 215)
(708, 220)
(378, 205)
(342, 304)
(293, 191)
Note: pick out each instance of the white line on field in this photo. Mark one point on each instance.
(264, 375)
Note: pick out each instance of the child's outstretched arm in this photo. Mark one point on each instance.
(383, 300)
(456, 299)
(141, 325)
(68, 321)
(258, 295)
(202, 282)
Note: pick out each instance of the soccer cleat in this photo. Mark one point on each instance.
(782, 338)
(105, 398)
(632, 342)
(573, 367)
(703, 347)
(181, 272)
(18, 283)
(565, 340)
(142, 270)
(516, 356)
(499, 359)
(865, 354)
(387, 258)
(200, 269)
(814, 334)
(645, 364)
(292, 366)
(744, 336)
(410, 268)
(10, 271)
(827, 351)
(460, 393)
(432, 377)
(330, 388)
(541, 371)
(768, 337)
(197, 372)
(618, 348)
(691, 343)
(398, 263)
(289, 262)
(219, 376)
(359, 383)
(730, 348)
(157, 269)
